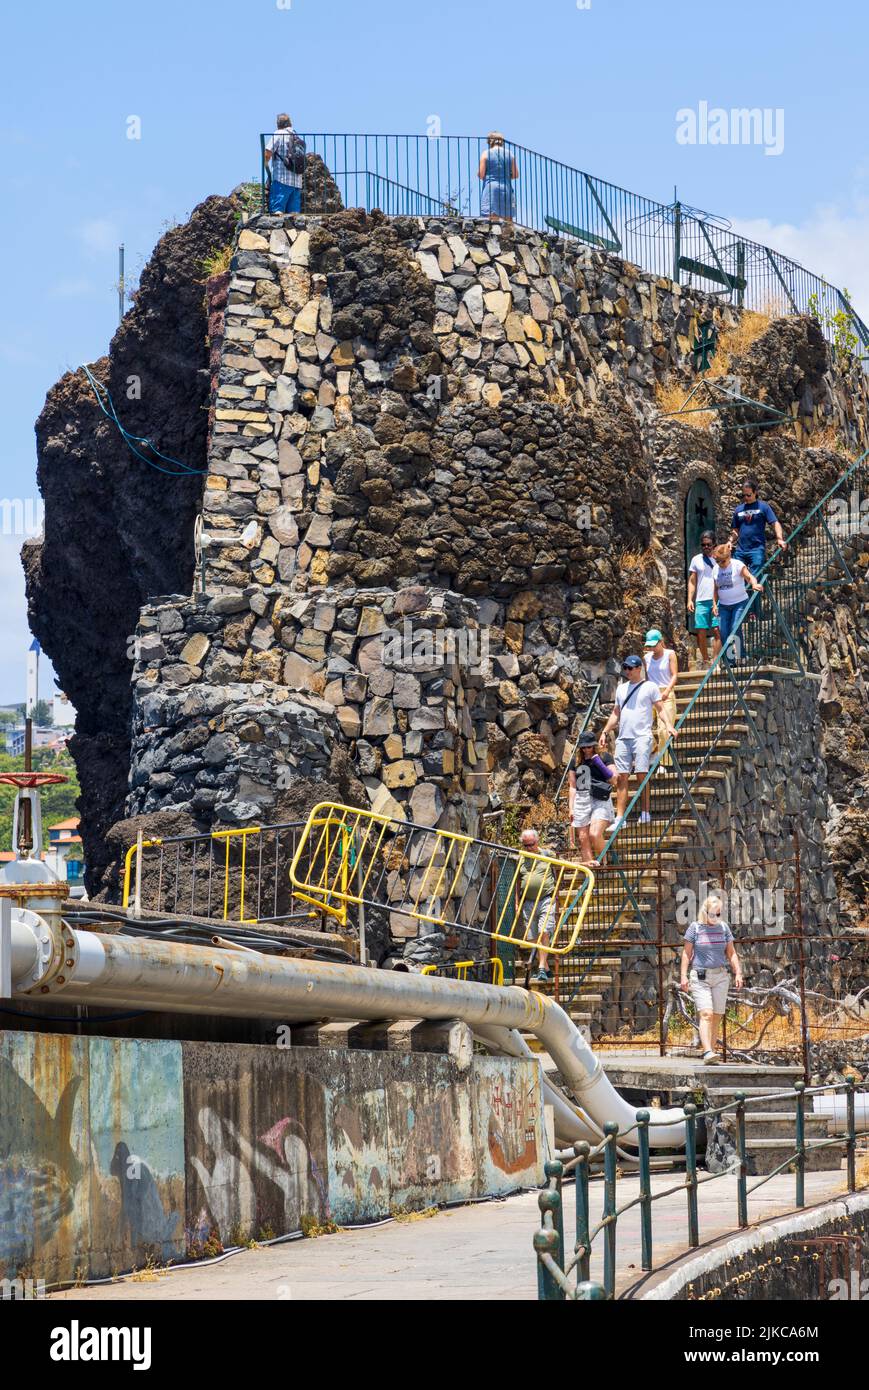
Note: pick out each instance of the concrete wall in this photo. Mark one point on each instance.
(114, 1151)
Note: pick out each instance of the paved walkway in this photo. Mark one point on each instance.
(471, 1252)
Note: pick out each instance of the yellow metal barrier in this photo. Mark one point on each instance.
(219, 879)
(462, 967)
(440, 877)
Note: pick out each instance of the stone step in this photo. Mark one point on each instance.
(724, 1093)
(694, 678)
(767, 1154)
(775, 1124)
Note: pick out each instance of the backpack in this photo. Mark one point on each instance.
(295, 161)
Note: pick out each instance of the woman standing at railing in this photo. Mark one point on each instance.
(498, 169)
(708, 956)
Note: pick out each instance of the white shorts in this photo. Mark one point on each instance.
(710, 995)
(586, 810)
(633, 754)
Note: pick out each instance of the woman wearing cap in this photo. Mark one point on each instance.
(497, 170)
(589, 797)
(662, 667)
(706, 955)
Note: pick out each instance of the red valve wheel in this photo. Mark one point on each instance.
(31, 779)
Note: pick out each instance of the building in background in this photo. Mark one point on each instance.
(62, 854)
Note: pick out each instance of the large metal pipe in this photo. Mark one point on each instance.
(132, 972)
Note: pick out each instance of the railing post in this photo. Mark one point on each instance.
(586, 1292)
(800, 1087)
(691, 1172)
(659, 947)
(546, 1242)
(851, 1150)
(741, 1184)
(583, 1225)
(643, 1118)
(611, 1130)
(554, 1168)
(804, 1022)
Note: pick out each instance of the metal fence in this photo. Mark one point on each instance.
(439, 176)
(562, 1277)
(240, 875)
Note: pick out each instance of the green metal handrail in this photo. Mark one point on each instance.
(554, 1268)
(589, 714)
(438, 175)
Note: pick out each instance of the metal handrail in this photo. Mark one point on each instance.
(555, 198)
(554, 1269)
(592, 705)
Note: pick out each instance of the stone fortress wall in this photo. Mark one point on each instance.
(425, 432)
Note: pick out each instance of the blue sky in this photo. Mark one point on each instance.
(598, 88)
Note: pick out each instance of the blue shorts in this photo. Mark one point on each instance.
(283, 197)
(704, 618)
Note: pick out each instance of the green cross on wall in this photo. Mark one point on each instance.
(704, 346)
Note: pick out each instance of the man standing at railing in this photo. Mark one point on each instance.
(637, 702)
(285, 161)
(748, 528)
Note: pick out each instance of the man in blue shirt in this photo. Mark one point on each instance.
(749, 524)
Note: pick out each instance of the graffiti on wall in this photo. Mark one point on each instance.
(91, 1155)
(39, 1169)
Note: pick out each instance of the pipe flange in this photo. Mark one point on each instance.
(54, 888)
(49, 950)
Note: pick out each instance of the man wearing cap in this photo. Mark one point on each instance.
(589, 796)
(637, 701)
(662, 667)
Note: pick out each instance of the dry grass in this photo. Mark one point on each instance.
(149, 1273)
(426, 1214)
(733, 343)
(830, 437)
(312, 1228)
(765, 1028)
(217, 262)
(736, 341)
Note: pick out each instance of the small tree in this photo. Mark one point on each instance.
(42, 714)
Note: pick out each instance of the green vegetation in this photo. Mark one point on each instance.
(42, 714)
(838, 321)
(58, 802)
(217, 262)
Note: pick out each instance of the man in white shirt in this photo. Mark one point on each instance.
(637, 701)
(285, 160)
(701, 595)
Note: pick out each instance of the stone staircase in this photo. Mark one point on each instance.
(769, 1128)
(604, 950)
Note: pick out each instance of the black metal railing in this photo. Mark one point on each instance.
(440, 176)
